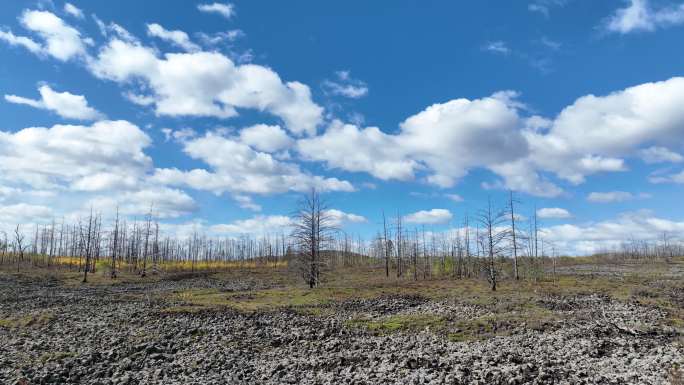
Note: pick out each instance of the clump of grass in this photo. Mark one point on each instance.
(526, 314)
(475, 329)
(182, 309)
(31, 320)
(268, 299)
(55, 356)
(645, 293)
(676, 376)
(400, 323)
(676, 322)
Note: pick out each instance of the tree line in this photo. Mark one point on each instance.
(492, 243)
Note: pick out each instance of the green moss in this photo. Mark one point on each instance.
(400, 323)
(505, 319)
(183, 309)
(31, 320)
(269, 298)
(675, 321)
(55, 356)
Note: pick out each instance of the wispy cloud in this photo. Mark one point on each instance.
(499, 47)
(346, 86)
(553, 213)
(65, 104)
(429, 217)
(615, 196)
(73, 11)
(226, 10)
(544, 6)
(638, 15)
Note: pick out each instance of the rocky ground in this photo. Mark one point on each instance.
(140, 334)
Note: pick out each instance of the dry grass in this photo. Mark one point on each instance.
(401, 323)
(514, 301)
(31, 320)
(676, 376)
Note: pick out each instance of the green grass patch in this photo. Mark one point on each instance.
(55, 356)
(31, 320)
(267, 299)
(513, 316)
(400, 323)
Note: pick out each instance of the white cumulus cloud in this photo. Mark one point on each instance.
(176, 37)
(207, 84)
(226, 10)
(61, 40)
(429, 217)
(266, 138)
(63, 155)
(610, 196)
(639, 15)
(21, 41)
(658, 154)
(64, 104)
(553, 212)
(611, 234)
(73, 10)
(239, 169)
(339, 218)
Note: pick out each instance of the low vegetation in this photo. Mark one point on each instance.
(479, 305)
(262, 323)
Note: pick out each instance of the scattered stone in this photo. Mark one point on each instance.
(107, 335)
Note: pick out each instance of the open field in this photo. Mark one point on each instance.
(593, 324)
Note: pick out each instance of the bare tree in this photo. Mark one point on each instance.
(514, 243)
(312, 228)
(115, 244)
(493, 238)
(3, 247)
(19, 245)
(148, 224)
(386, 245)
(535, 242)
(399, 246)
(88, 240)
(457, 257)
(415, 255)
(466, 225)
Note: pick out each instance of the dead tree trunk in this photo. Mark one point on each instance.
(386, 245)
(511, 208)
(115, 244)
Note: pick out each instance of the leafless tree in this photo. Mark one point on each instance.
(457, 255)
(466, 225)
(514, 243)
(19, 244)
(88, 241)
(148, 229)
(399, 247)
(312, 228)
(3, 247)
(415, 255)
(386, 247)
(493, 238)
(115, 244)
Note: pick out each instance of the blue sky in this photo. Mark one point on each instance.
(219, 115)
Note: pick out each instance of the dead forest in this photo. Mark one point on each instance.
(493, 244)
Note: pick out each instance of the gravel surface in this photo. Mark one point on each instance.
(123, 335)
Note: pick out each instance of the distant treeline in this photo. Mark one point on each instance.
(491, 245)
